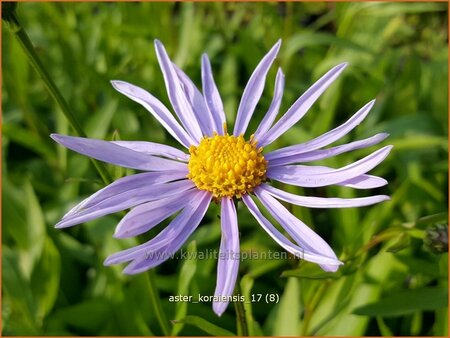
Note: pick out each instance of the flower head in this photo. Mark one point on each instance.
(222, 167)
(226, 165)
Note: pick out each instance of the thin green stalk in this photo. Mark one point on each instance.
(10, 17)
(156, 304)
(242, 325)
(311, 306)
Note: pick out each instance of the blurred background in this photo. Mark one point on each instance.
(395, 277)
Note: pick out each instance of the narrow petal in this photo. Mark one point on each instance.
(360, 182)
(156, 149)
(253, 90)
(147, 262)
(297, 251)
(301, 106)
(124, 200)
(364, 182)
(124, 184)
(321, 202)
(145, 216)
(317, 176)
(159, 242)
(302, 234)
(176, 95)
(321, 154)
(157, 109)
(180, 228)
(197, 102)
(325, 139)
(228, 266)
(271, 114)
(115, 154)
(212, 96)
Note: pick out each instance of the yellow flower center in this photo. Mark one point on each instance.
(227, 165)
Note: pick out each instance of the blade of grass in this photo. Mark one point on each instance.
(9, 15)
(156, 304)
(204, 325)
(241, 320)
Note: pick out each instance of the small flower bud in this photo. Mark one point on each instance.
(436, 238)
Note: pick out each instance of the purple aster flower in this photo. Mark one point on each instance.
(222, 167)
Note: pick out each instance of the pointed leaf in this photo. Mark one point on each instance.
(406, 302)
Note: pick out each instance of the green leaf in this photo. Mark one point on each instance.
(132, 311)
(99, 123)
(204, 325)
(425, 221)
(24, 222)
(396, 8)
(420, 266)
(419, 142)
(261, 269)
(14, 214)
(302, 40)
(17, 296)
(81, 252)
(35, 226)
(29, 140)
(402, 242)
(440, 326)
(300, 273)
(288, 313)
(90, 315)
(311, 271)
(407, 302)
(246, 287)
(384, 329)
(45, 279)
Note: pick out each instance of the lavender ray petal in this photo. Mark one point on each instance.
(115, 154)
(321, 154)
(153, 259)
(197, 102)
(156, 149)
(324, 139)
(274, 107)
(125, 184)
(316, 176)
(228, 265)
(159, 242)
(320, 202)
(125, 200)
(176, 95)
(361, 182)
(157, 109)
(364, 182)
(180, 227)
(302, 234)
(301, 106)
(145, 216)
(144, 263)
(212, 96)
(253, 90)
(283, 241)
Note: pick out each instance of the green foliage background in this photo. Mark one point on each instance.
(54, 282)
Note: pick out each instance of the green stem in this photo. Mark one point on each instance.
(156, 304)
(242, 325)
(10, 17)
(311, 306)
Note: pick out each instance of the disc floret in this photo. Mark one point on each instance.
(227, 165)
